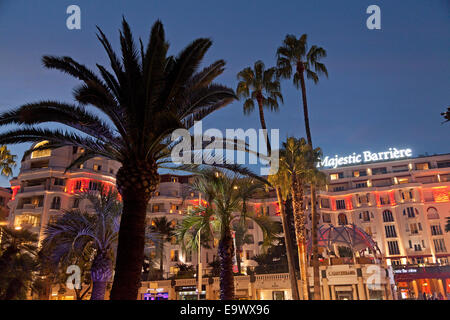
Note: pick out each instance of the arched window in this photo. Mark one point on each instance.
(342, 219)
(387, 216)
(432, 213)
(41, 153)
(56, 203)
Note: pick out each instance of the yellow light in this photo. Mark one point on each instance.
(18, 228)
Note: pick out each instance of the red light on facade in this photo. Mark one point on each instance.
(14, 189)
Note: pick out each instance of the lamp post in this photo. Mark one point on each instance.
(199, 274)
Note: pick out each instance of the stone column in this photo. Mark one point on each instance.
(333, 293)
(326, 289)
(361, 291)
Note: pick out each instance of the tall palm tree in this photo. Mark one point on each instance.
(164, 231)
(261, 86)
(18, 252)
(224, 204)
(95, 234)
(296, 170)
(281, 184)
(147, 95)
(294, 55)
(241, 238)
(7, 161)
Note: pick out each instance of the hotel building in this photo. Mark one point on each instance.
(402, 204)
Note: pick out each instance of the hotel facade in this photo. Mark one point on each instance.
(402, 204)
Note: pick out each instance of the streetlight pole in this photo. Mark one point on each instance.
(199, 255)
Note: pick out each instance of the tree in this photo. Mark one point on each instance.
(262, 86)
(147, 95)
(17, 263)
(294, 173)
(164, 231)
(224, 205)
(7, 161)
(281, 184)
(447, 226)
(78, 233)
(292, 54)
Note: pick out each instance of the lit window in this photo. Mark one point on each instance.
(41, 153)
(97, 167)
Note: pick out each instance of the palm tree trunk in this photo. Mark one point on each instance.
(299, 221)
(238, 259)
(161, 258)
(98, 290)
(314, 221)
(263, 125)
(135, 183)
(226, 265)
(289, 252)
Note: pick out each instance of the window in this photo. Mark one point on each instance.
(56, 203)
(155, 208)
(443, 164)
(393, 247)
(385, 200)
(188, 257)
(414, 229)
(111, 171)
(376, 171)
(339, 188)
(411, 212)
(361, 185)
(326, 218)
(439, 245)
(97, 167)
(76, 203)
(364, 216)
(249, 254)
(387, 216)
(432, 213)
(402, 180)
(174, 179)
(390, 231)
(335, 176)
(325, 202)
(342, 219)
(94, 185)
(174, 255)
(340, 204)
(422, 166)
(417, 247)
(395, 262)
(359, 173)
(59, 182)
(250, 225)
(436, 230)
(400, 168)
(41, 153)
(250, 239)
(80, 166)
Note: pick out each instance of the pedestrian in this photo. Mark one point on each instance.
(440, 296)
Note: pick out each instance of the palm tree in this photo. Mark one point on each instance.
(294, 173)
(95, 234)
(18, 252)
(147, 95)
(241, 238)
(292, 54)
(262, 86)
(164, 231)
(224, 205)
(7, 161)
(446, 115)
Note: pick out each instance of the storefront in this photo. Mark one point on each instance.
(423, 282)
(189, 292)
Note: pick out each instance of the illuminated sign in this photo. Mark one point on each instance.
(366, 156)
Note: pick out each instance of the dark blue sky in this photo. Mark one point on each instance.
(386, 87)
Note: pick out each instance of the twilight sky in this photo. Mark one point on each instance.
(386, 88)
